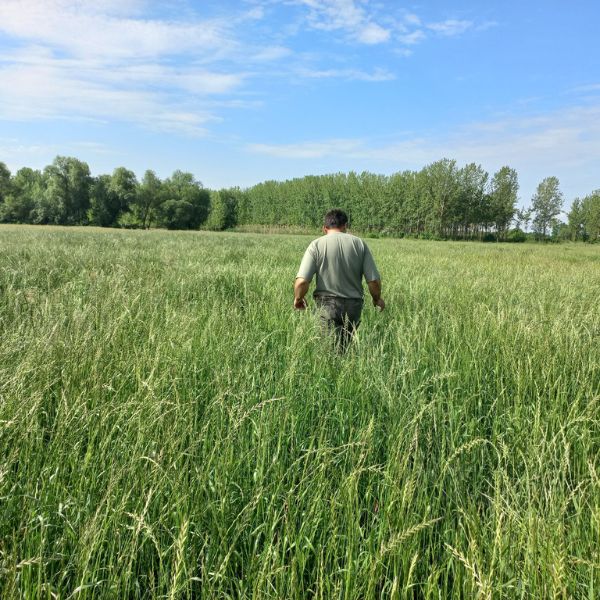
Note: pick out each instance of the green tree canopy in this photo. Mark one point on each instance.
(68, 183)
(547, 204)
(503, 198)
(590, 208)
(149, 197)
(25, 191)
(186, 203)
(5, 182)
(110, 196)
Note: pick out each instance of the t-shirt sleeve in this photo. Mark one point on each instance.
(369, 269)
(308, 266)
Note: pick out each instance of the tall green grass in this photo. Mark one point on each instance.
(170, 428)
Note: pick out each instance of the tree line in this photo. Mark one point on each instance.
(442, 200)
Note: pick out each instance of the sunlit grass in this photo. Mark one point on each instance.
(169, 427)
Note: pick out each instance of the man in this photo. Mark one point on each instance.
(339, 260)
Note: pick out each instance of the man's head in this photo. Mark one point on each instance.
(335, 219)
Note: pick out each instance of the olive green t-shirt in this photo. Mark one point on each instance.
(339, 260)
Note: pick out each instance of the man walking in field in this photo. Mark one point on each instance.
(339, 260)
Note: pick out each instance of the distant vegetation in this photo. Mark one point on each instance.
(441, 201)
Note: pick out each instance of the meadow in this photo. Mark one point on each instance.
(170, 428)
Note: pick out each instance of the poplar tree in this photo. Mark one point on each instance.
(546, 204)
(576, 221)
(590, 208)
(503, 198)
(443, 191)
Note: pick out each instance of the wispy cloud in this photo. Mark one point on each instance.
(41, 86)
(412, 19)
(412, 30)
(348, 16)
(378, 74)
(310, 150)
(485, 25)
(372, 23)
(450, 27)
(270, 53)
(414, 37)
(108, 60)
(559, 138)
(16, 150)
(108, 29)
(371, 33)
(591, 87)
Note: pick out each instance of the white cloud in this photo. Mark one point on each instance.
(270, 53)
(348, 74)
(86, 29)
(12, 148)
(40, 86)
(486, 25)
(309, 150)
(404, 52)
(560, 138)
(106, 60)
(450, 27)
(38, 92)
(412, 19)
(412, 38)
(592, 87)
(361, 22)
(257, 13)
(348, 16)
(371, 33)
(35, 155)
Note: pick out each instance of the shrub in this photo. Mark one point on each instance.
(516, 236)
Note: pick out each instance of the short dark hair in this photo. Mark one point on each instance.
(335, 218)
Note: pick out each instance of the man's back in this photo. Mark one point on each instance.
(339, 260)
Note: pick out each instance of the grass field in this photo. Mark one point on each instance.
(170, 428)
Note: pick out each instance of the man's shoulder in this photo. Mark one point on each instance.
(313, 246)
(355, 241)
(344, 235)
(320, 241)
(355, 238)
(346, 238)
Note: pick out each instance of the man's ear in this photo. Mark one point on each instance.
(324, 229)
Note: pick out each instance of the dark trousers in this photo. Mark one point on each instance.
(340, 315)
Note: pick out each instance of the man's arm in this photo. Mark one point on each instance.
(375, 291)
(301, 286)
(373, 279)
(308, 268)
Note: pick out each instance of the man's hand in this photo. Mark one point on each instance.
(375, 291)
(379, 304)
(299, 304)
(300, 289)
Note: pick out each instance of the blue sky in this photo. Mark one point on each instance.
(238, 92)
